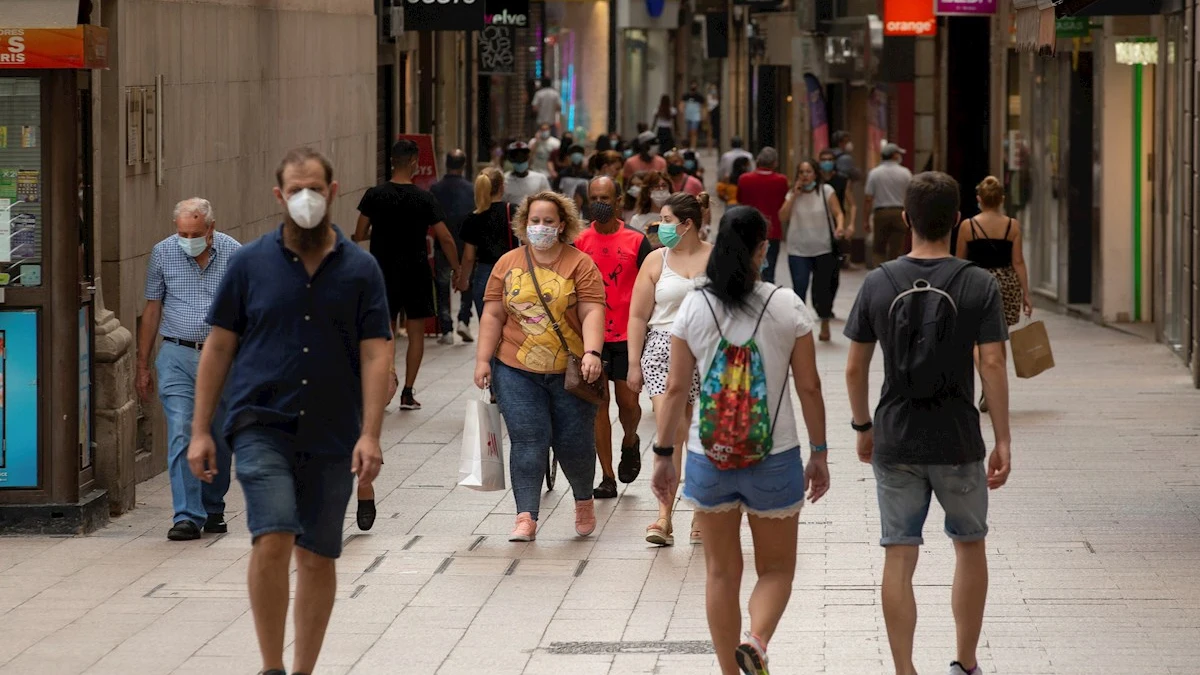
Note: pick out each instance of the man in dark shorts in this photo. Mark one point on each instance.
(302, 320)
(397, 217)
(618, 251)
(925, 439)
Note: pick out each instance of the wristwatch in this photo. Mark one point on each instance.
(861, 427)
(664, 450)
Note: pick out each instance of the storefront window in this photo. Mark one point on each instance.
(20, 182)
(1174, 287)
(1042, 225)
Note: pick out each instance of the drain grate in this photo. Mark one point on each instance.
(599, 648)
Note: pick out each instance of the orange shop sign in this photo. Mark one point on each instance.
(909, 18)
(78, 47)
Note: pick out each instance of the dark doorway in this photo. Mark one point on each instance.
(772, 87)
(385, 132)
(968, 74)
(1081, 219)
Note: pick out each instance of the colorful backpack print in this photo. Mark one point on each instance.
(736, 429)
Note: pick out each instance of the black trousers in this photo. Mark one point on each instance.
(821, 274)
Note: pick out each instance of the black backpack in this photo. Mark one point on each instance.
(920, 349)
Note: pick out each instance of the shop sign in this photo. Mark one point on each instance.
(443, 15)
(426, 173)
(79, 47)
(1072, 27)
(909, 18)
(18, 399)
(965, 7)
(497, 40)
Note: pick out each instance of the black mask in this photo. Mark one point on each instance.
(674, 169)
(601, 212)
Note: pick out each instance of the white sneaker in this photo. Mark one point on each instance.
(446, 339)
(464, 332)
(956, 668)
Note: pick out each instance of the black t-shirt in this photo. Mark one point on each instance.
(401, 215)
(490, 232)
(944, 431)
(839, 182)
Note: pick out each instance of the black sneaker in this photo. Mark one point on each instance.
(216, 524)
(607, 489)
(407, 402)
(272, 672)
(631, 461)
(184, 530)
(366, 514)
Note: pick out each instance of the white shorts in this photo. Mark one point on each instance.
(656, 359)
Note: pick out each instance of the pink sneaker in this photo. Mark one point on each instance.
(585, 517)
(525, 529)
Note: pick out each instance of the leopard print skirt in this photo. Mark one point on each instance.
(1010, 292)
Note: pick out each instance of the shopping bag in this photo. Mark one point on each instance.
(1031, 349)
(481, 464)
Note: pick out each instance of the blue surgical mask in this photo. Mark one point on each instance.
(827, 166)
(577, 158)
(628, 153)
(810, 186)
(520, 167)
(765, 264)
(668, 234)
(193, 247)
(689, 164)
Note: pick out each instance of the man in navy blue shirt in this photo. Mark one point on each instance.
(302, 316)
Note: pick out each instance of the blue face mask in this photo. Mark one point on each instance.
(520, 167)
(809, 187)
(689, 164)
(628, 153)
(668, 234)
(765, 264)
(827, 166)
(577, 158)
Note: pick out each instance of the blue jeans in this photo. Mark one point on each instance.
(294, 491)
(479, 281)
(904, 491)
(768, 274)
(444, 275)
(192, 499)
(773, 488)
(822, 272)
(539, 414)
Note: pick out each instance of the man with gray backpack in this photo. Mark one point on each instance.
(928, 310)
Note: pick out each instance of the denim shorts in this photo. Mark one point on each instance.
(289, 490)
(904, 491)
(773, 488)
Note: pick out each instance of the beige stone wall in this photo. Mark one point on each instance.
(244, 81)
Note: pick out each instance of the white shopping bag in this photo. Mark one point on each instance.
(481, 465)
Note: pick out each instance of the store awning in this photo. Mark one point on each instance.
(1035, 25)
(1117, 7)
(80, 47)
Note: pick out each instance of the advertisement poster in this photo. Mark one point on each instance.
(817, 112)
(966, 7)
(8, 184)
(85, 388)
(29, 185)
(18, 399)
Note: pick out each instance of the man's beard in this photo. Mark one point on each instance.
(311, 239)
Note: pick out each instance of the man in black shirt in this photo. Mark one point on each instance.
(397, 217)
(456, 194)
(931, 445)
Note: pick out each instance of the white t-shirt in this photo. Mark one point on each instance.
(785, 320)
(547, 103)
(808, 226)
(516, 189)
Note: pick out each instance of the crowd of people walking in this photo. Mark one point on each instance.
(594, 279)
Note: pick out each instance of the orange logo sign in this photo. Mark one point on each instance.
(909, 18)
(78, 47)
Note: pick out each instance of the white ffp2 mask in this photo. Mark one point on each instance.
(307, 208)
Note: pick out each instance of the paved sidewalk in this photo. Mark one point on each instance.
(1095, 556)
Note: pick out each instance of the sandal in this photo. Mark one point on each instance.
(694, 537)
(660, 533)
(631, 461)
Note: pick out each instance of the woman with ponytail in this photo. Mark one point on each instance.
(735, 314)
(487, 234)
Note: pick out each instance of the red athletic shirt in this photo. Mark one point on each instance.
(765, 191)
(619, 256)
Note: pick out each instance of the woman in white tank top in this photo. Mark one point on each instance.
(666, 278)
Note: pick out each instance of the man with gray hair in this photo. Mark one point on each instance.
(184, 272)
(766, 189)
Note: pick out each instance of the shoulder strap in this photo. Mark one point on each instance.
(828, 214)
(1007, 229)
(716, 320)
(542, 299)
(764, 311)
(887, 272)
(508, 225)
(975, 229)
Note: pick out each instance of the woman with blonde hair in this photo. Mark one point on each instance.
(544, 308)
(487, 234)
(992, 241)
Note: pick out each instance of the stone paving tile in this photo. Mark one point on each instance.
(1094, 556)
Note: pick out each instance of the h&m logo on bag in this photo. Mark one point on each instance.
(493, 446)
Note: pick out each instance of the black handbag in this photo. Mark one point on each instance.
(574, 382)
(834, 242)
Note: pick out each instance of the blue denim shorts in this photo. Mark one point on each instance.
(904, 492)
(773, 488)
(288, 490)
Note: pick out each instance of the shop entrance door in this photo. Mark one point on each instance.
(1082, 219)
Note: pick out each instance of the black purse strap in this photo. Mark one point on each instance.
(542, 299)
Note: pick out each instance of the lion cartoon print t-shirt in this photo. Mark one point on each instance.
(528, 340)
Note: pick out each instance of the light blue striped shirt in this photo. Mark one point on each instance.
(185, 290)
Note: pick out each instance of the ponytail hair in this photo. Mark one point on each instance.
(731, 270)
(488, 184)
